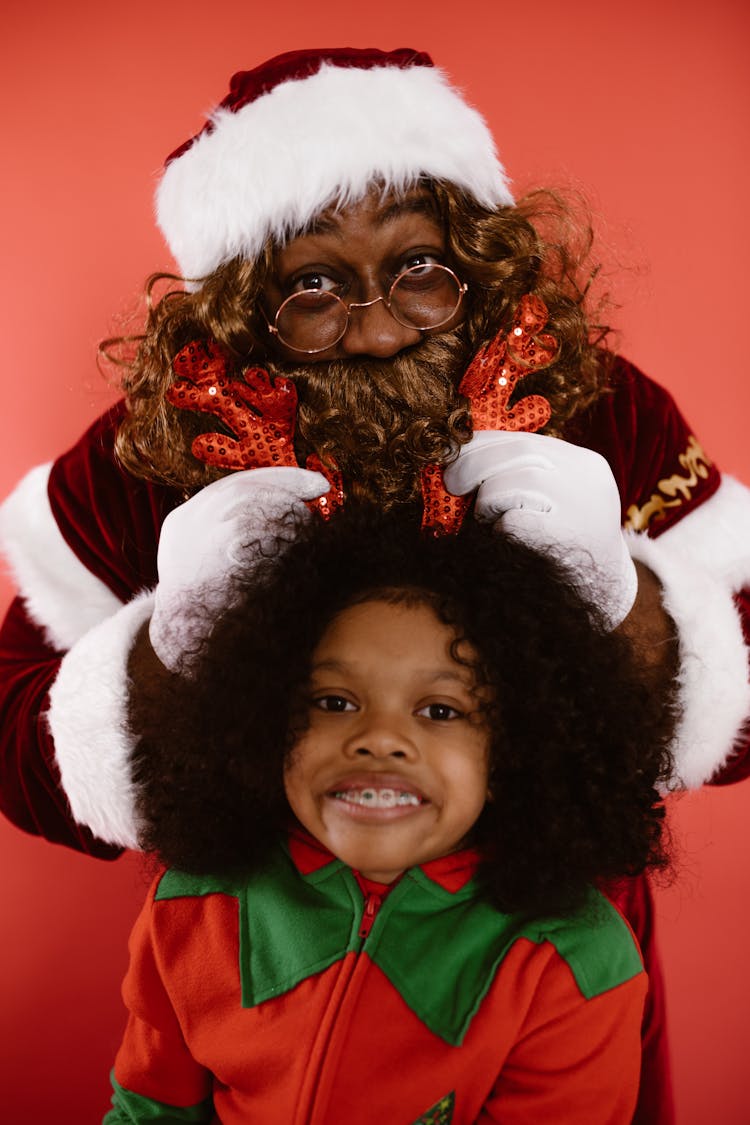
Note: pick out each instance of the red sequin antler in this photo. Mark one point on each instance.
(489, 383)
(496, 369)
(259, 412)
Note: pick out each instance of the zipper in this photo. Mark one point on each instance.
(373, 903)
(309, 1109)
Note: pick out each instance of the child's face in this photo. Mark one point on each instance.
(393, 769)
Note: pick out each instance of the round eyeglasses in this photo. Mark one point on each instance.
(422, 297)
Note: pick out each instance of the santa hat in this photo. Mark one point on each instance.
(309, 129)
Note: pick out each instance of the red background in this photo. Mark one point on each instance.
(645, 108)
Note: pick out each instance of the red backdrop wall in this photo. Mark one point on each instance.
(645, 107)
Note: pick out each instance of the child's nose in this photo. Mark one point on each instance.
(381, 739)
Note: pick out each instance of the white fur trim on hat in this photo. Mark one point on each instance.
(698, 587)
(88, 721)
(61, 595)
(270, 167)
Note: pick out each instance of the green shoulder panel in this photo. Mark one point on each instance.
(596, 942)
(129, 1108)
(178, 884)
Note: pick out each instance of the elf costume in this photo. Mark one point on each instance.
(290, 997)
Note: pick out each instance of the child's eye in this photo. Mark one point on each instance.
(439, 712)
(333, 703)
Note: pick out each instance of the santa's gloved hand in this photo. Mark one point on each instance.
(555, 497)
(211, 537)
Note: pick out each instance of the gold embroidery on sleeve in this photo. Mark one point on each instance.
(672, 491)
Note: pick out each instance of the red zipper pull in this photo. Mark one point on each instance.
(372, 905)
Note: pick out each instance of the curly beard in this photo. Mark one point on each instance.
(381, 421)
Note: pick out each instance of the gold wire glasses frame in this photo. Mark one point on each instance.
(422, 298)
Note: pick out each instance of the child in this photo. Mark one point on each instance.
(385, 795)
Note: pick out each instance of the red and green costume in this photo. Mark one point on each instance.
(289, 997)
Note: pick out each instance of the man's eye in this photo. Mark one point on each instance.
(315, 283)
(420, 263)
(439, 712)
(333, 703)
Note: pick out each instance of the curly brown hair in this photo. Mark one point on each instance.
(539, 246)
(578, 741)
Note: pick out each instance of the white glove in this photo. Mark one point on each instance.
(557, 498)
(205, 541)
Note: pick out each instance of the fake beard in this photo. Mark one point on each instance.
(381, 421)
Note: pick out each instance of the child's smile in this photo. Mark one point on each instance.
(392, 770)
(379, 794)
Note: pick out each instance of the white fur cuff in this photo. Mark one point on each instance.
(713, 688)
(88, 721)
(61, 595)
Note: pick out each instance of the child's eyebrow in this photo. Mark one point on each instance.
(433, 674)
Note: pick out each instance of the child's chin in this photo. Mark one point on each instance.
(371, 859)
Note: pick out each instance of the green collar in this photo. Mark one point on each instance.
(439, 949)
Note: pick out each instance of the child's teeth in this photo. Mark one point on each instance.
(378, 798)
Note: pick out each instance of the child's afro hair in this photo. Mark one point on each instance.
(579, 738)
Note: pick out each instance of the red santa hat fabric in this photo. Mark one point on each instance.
(311, 129)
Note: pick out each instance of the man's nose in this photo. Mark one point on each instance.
(373, 331)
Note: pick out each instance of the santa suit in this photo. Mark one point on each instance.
(81, 536)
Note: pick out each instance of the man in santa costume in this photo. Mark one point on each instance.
(362, 297)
